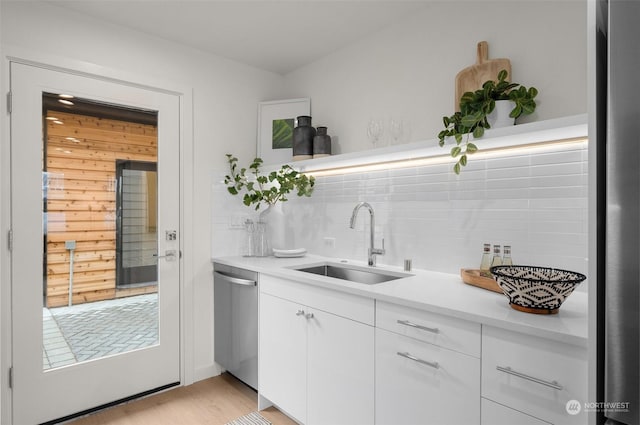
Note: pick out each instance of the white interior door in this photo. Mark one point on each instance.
(70, 318)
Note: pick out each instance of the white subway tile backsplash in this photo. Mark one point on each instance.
(558, 192)
(475, 184)
(333, 179)
(432, 196)
(558, 227)
(558, 181)
(537, 203)
(561, 157)
(516, 161)
(509, 183)
(438, 169)
(468, 174)
(403, 180)
(556, 169)
(509, 193)
(401, 172)
(508, 173)
(467, 194)
(559, 203)
(351, 186)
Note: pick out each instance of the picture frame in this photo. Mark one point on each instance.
(276, 121)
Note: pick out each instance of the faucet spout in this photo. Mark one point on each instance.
(354, 214)
(372, 251)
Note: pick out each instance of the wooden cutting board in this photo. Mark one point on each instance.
(472, 77)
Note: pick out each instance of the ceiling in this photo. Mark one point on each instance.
(278, 36)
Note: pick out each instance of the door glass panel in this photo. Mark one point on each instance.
(100, 292)
(136, 234)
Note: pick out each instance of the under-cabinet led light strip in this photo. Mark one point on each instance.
(538, 147)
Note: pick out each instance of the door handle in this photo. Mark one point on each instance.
(170, 255)
(552, 384)
(233, 279)
(413, 325)
(406, 355)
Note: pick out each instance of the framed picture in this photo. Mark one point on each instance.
(276, 121)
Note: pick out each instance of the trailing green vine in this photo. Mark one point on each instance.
(474, 109)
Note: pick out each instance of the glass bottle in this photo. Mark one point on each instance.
(248, 249)
(506, 256)
(497, 259)
(261, 242)
(485, 263)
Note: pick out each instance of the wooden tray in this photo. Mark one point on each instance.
(473, 277)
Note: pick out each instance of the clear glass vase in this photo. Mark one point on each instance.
(261, 245)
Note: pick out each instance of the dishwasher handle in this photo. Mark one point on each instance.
(233, 279)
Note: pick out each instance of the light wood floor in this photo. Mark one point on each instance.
(212, 401)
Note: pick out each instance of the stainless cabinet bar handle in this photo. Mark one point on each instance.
(552, 384)
(434, 365)
(232, 279)
(424, 328)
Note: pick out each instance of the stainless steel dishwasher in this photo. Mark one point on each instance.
(235, 294)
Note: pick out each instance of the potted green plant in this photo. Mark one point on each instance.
(475, 108)
(259, 189)
(266, 188)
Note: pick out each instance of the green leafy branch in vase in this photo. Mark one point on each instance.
(268, 188)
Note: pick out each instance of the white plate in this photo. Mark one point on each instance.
(289, 253)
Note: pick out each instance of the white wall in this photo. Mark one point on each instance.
(536, 203)
(224, 93)
(408, 70)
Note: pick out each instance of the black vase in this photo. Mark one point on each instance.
(303, 136)
(321, 143)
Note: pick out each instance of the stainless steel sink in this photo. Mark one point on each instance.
(351, 273)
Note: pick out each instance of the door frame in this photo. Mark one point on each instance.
(187, 270)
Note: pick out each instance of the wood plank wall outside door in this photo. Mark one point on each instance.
(81, 154)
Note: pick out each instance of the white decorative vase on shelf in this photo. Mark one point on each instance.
(499, 117)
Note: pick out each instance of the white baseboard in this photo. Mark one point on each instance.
(205, 372)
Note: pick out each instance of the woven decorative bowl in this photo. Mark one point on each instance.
(533, 289)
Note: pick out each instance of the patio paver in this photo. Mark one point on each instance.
(93, 330)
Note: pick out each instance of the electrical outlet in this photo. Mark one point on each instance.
(329, 243)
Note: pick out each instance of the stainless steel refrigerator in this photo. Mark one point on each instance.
(618, 167)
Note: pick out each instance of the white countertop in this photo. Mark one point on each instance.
(437, 292)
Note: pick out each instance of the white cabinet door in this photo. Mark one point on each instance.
(497, 414)
(282, 369)
(340, 371)
(421, 383)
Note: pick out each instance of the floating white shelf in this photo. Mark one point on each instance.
(557, 129)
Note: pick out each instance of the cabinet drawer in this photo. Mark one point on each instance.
(350, 306)
(437, 386)
(497, 414)
(447, 332)
(534, 375)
